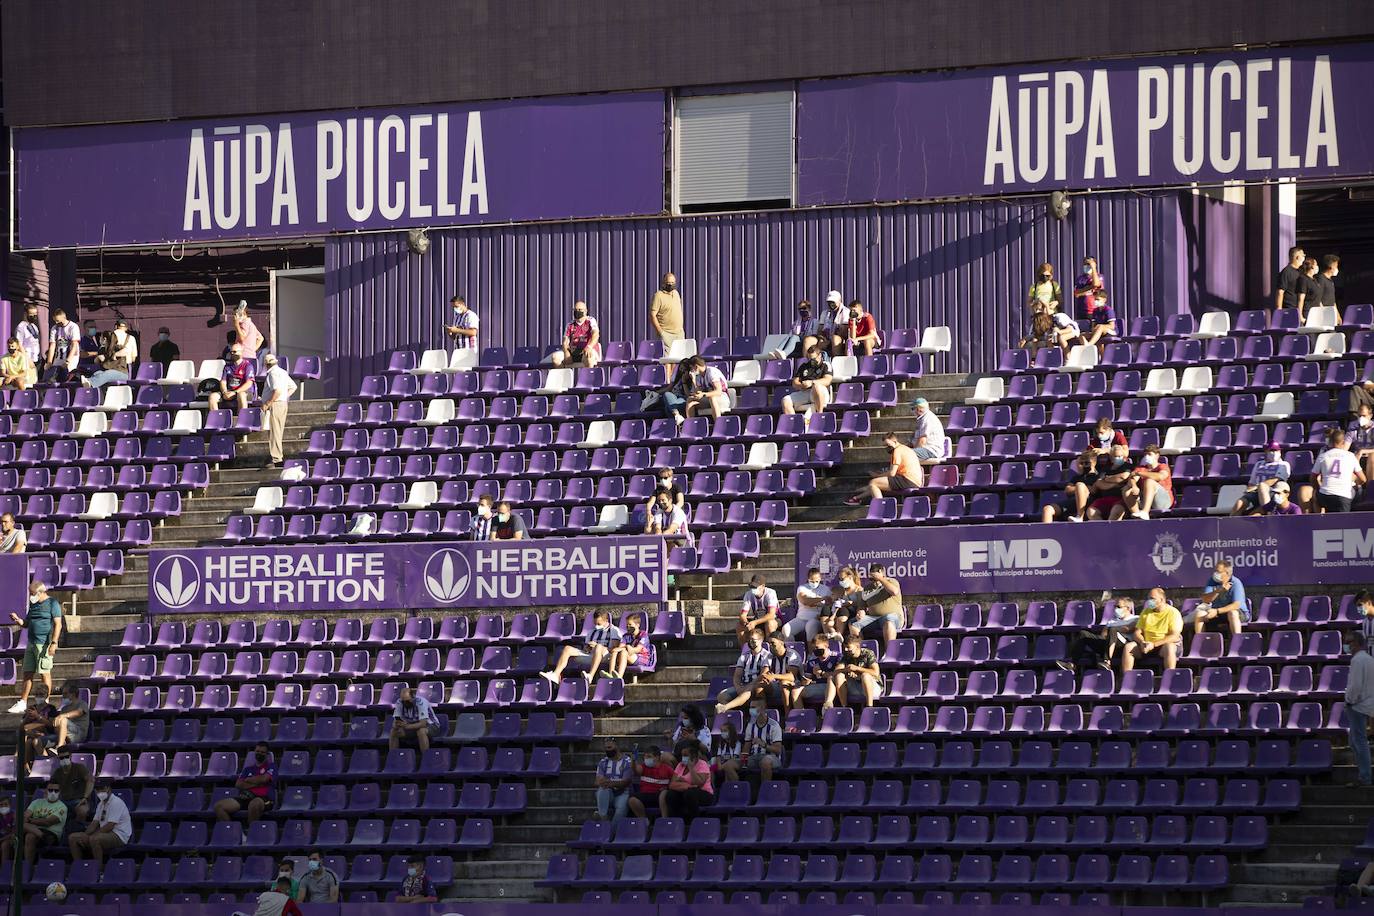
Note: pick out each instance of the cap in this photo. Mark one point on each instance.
(920, 402)
(835, 297)
(164, 330)
(121, 323)
(1275, 446)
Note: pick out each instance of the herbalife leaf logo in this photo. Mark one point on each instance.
(447, 575)
(176, 581)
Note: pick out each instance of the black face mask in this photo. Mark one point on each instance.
(579, 315)
(612, 752)
(261, 756)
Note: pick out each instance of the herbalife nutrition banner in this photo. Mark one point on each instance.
(470, 574)
(937, 560)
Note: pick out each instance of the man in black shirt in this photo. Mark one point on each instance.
(810, 385)
(165, 350)
(1331, 265)
(1309, 290)
(1286, 295)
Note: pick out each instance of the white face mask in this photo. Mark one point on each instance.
(503, 517)
(651, 761)
(1151, 460)
(1364, 421)
(814, 583)
(484, 511)
(54, 796)
(102, 795)
(846, 582)
(759, 591)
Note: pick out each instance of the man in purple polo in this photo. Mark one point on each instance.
(236, 384)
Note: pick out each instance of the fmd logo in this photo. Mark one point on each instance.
(1020, 554)
(176, 581)
(1343, 544)
(447, 575)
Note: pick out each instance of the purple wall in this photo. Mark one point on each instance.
(1213, 237)
(962, 264)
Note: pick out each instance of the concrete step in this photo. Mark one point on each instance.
(1250, 895)
(507, 890)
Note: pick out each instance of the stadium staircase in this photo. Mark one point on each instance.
(1303, 850)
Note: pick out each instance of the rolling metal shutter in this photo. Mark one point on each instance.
(733, 148)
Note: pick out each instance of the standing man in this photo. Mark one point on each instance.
(1225, 606)
(44, 623)
(64, 349)
(277, 389)
(463, 331)
(1359, 701)
(31, 336)
(1333, 478)
(165, 351)
(665, 311)
(613, 777)
(928, 438)
(1331, 266)
(1289, 282)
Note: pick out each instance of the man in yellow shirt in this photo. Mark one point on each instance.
(16, 369)
(1159, 628)
(665, 311)
(904, 474)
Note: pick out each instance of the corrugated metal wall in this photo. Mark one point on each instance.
(966, 265)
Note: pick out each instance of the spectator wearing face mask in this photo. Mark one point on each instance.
(118, 352)
(1077, 491)
(416, 886)
(747, 679)
(711, 391)
(810, 385)
(877, 609)
(1104, 436)
(665, 311)
(1158, 629)
(673, 396)
(758, 610)
(834, 324)
(1359, 705)
(802, 337)
(110, 828)
(1309, 290)
(1225, 607)
(44, 624)
(690, 726)
(1149, 489)
(596, 645)
(64, 350)
(613, 772)
(690, 789)
(1113, 474)
(1359, 438)
(319, 884)
(165, 351)
(1089, 287)
(73, 722)
(668, 519)
(17, 371)
(581, 340)
(44, 821)
(90, 348)
(858, 669)
(904, 474)
(1270, 469)
(30, 336)
(654, 774)
(508, 526)
(463, 329)
(763, 741)
(634, 648)
(666, 481)
(1281, 502)
(413, 720)
(482, 520)
(812, 596)
(1334, 476)
(863, 330)
(77, 784)
(254, 789)
(1044, 291)
(816, 683)
(1331, 266)
(236, 383)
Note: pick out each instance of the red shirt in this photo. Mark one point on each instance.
(863, 326)
(1167, 484)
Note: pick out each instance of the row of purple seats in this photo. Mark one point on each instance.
(129, 423)
(119, 898)
(104, 477)
(300, 836)
(136, 504)
(45, 399)
(194, 870)
(126, 450)
(786, 870)
(191, 802)
(1155, 354)
(557, 627)
(849, 899)
(1125, 832)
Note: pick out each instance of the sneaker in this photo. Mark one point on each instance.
(548, 676)
(806, 418)
(678, 418)
(1064, 666)
(1075, 518)
(1141, 514)
(19, 706)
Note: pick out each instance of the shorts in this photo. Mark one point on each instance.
(1251, 499)
(899, 484)
(814, 693)
(1163, 501)
(36, 658)
(247, 798)
(926, 453)
(579, 354)
(756, 761)
(1105, 504)
(800, 400)
(432, 729)
(648, 799)
(874, 625)
(1325, 501)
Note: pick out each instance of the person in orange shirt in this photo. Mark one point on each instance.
(904, 474)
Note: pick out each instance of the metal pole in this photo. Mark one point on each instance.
(17, 872)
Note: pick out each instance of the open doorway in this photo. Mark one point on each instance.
(1336, 220)
(298, 314)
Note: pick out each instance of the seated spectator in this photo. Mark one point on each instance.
(690, 727)
(12, 537)
(508, 526)
(816, 683)
(613, 780)
(319, 884)
(763, 741)
(654, 773)
(904, 474)
(1113, 475)
(482, 521)
(7, 825)
(277, 900)
(110, 828)
(758, 610)
(673, 396)
(90, 348)
(1225, 607)
(77, 785)
(633, 650)
(727, 753)
(812, 597)
(416, 886)
(928, 437)
(810, 385)
(1103, 436)
(37, 723)
(802, 337)
(64, 350)
(1270, 469)
(875, 612)
(784, 667)
(1359, 438)
(581, 340)
(711, 391)
(858, 667)
(690, 788)
(1051, 328)
(17, 371)
(668, 518)
(833, 326)
(236, 383)
(1364, 610)
(1150, 488)
(597, 645)
(1077, 492)
(747, 677)
(118, 352)
(863, 330)
(254, 787)
(44, 821)
(413, 719)
(73, 721)
(286, 871)
(1280, 503)
(1158, 629)
(1044, 291)
(848, 593)
(1090, 649)
(1334, 476)
(1361, 394)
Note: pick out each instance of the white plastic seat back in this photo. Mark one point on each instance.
(266, 499)
(989, 390)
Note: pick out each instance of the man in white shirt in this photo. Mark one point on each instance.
(64, 349)
(1334, 476)
(12, 537)
(109, 830)
(277, 388)
(1270, 469)
(811, 597)
(747, 680)
(758, 611)
(928, 439)
(30, 335)
(833, 325)
(413, 718)
(763, 741)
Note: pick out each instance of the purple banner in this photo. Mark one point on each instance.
(464, 574)
(468, 908)
(1209, 118)
(966, 559)
(14, 585)
(310, 174)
